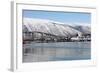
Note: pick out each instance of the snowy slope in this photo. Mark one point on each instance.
(83, 29)
(52, 27)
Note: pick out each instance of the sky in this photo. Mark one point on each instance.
(64, 17)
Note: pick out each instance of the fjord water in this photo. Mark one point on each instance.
(59, 51)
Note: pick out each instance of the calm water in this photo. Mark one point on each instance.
(38, 52)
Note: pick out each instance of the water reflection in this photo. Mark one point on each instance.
(37, 52)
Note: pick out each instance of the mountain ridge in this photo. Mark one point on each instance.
(53, 27)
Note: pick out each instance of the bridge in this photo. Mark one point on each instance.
(43, 37)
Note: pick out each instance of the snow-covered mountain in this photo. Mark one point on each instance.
(83, 29)
(53, 27)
